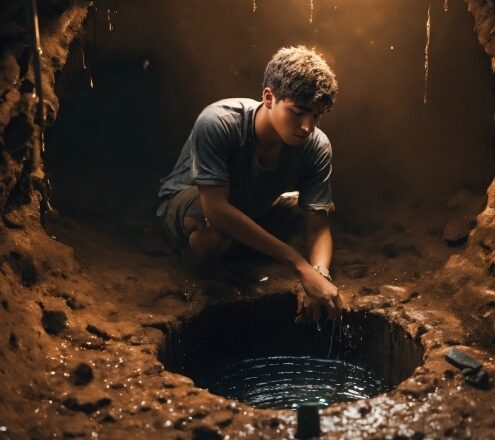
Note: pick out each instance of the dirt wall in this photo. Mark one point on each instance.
(156, 64)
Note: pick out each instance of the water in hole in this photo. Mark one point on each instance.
(287, 381)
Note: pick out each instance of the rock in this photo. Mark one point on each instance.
(456, 231)
(469, 372)
(479, 380)
(82, 374)
(70, 300)
(462, 360)
(355, 271)
(467, 201)
(418, 387)
(73, 303)
(54, 321)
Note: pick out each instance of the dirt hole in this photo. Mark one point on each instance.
(254, 351)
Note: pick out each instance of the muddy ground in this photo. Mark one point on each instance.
(85, 313)
(88, 304)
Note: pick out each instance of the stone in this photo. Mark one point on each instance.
(54, 321)
(355, 271)
(462, 360)
(469, 372)
(456, 231)
(70, 300)
(479, 380)
(73, 303)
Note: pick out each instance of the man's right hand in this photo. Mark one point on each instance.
(318, 292)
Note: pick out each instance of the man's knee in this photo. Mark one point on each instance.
(208, 242)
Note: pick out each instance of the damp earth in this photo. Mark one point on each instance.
(107, 333)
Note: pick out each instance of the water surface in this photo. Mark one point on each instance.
(287, 381)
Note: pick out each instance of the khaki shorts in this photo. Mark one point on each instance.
(185, 203)
(283, 218)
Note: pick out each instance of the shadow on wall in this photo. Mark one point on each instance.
(156, 64)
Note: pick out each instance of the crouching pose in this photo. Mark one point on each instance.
(242, 155)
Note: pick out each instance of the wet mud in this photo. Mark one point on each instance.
(99, 320)
(100, 348)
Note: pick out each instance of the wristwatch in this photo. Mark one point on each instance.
(317, 268)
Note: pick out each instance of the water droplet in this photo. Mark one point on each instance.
(110, 26)
(427, 50)
(83, 57)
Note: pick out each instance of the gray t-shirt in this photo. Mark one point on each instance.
(221, 151)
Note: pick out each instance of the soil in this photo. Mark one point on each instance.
(85, 314)
(86, 307)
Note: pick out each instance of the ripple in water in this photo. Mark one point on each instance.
(287, 381)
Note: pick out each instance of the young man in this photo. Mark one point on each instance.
(242, 154)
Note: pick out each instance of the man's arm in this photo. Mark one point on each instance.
(231, 221)
(320, 250)
(319, 241)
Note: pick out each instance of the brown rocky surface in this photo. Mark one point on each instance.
(94, 372)
(85, 314)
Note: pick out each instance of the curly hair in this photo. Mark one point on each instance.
(302, 75)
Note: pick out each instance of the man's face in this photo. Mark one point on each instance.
(292, 121)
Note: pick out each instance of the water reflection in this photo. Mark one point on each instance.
(287, 381)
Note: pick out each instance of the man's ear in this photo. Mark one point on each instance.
(268, 97)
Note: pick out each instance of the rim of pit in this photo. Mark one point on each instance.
(267, 326)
